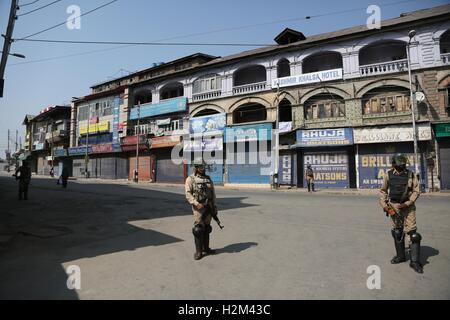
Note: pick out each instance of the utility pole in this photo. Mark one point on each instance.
(17, 136)
(411, 34)
(86, 157)
(136, 170)
(8, 154)
(7, 43)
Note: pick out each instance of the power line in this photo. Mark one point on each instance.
(203, 33)
(150, 43)
(27, 4)
(37, 9)
(63, 23)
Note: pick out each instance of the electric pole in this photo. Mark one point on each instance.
(8, 154)
(17, 136)
(7, 43)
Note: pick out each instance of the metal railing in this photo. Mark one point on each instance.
(383, 67)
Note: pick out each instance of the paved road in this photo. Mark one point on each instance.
(135, 242)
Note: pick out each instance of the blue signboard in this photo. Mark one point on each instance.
(77, 151)
(287, 169)
(330, 169)
(324, 137)
(60, 153)
(150, 110)
(116, 113)
(255, 132)
(202, 144)
(213, 124)
(375, 161)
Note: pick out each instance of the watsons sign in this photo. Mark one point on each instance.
(326, 75)
(330, 169)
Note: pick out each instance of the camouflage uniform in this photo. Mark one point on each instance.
(24, 178)
(200, 190)
(398, 194)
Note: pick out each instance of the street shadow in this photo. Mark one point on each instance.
(427, 252)
(236, 247)
(82, 221)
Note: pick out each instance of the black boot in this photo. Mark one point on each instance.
(312, 187)
(309, 187)
(198, 248)
(206, 248)
(415, 252)
(399, 241)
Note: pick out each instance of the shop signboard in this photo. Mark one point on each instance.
(306, 78)
(330, 168)
(207, 125)
(203, 144)
(391, 134)
(163, 107)
(256, 132)
(324, 137)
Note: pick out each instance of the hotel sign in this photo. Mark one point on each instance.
(313, 77)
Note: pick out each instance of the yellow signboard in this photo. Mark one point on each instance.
(95, 127)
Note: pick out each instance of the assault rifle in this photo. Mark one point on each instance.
(391, 210)
(213, 212)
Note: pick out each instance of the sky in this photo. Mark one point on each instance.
(30, 86)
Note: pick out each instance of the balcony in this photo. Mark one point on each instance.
(206, 95)
(445, 58)
(248, 88)
(56, 136)
(384, 67)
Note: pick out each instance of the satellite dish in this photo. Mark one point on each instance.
(420, 97)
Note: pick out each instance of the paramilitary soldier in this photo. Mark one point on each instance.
(398, 195)
(201, 195)
(23, 174)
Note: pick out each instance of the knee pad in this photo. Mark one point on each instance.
(198, 230)
(397, 234)
(415, 236)
(208, 229)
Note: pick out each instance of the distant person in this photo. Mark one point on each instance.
(64, 176)
(310, 178)
(23, 174)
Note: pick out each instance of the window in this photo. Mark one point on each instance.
(385, 102)
(324, 106)
(207, 83)
(283, 68)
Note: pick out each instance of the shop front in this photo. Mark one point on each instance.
(330, 152)
(376, 145)
(249, 154)
(167, 169)
(145, 163)
(205, 142)
(442, 133)
(104, 161)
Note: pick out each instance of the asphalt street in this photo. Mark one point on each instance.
(135, 242)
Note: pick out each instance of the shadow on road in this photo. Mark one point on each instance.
(427, 252)
(236, 247)
(82, 221)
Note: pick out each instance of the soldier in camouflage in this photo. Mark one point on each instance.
(398, 195)
(201, 195)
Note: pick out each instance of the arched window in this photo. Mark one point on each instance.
(283, 68)
(171, 90)
(386, 99)
(143, 96)
(323, 106)
(207, 83)
(250, 112)
(249, 75)
(384, 51)
(206, 112)
(444, 42)
(322, 61)
(285, 111)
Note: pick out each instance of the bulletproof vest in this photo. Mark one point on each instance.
(309, 173)
(398, 185)
(24, 174)
(202, 188)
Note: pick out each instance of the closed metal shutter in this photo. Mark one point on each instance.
(107, 168)
(78, 168)
(167, 171)
(121, 168)
(248, 173)
(444, 154)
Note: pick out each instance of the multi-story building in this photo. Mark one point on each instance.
(47, 139)
(340, 101)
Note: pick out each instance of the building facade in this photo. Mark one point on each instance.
(339, 101)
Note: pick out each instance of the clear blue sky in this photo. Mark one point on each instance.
(31, 87)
